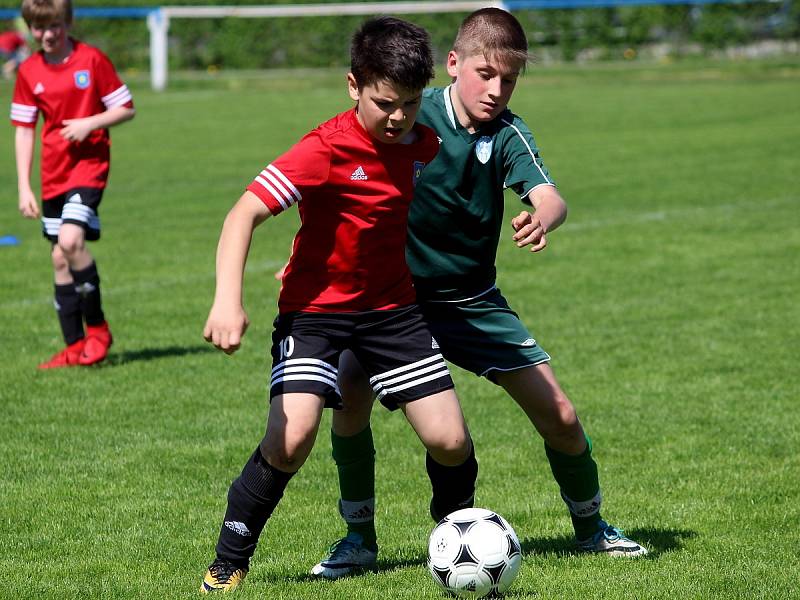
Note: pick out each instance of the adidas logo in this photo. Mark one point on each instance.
(363, 513)
(238, 527)
(38, 89)
(358, 174)
(84, 289)
(434, 344)
(528, 342)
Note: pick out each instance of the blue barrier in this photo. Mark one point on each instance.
(553, 4)
(142, 11)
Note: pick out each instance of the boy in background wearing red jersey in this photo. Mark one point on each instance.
(347, 287)
(14, 48)
(80, 96)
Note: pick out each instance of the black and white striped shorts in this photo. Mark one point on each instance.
(78, 206)
(395, 348)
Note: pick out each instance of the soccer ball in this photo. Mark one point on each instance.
(474, 552)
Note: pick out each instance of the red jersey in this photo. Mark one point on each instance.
(353, 194)
(84, 85)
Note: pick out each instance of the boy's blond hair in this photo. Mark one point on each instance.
(46, 11)
(494, 33)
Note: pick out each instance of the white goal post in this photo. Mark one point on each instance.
(158, 19)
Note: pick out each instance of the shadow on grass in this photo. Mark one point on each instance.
(657, 541)
(116, 359)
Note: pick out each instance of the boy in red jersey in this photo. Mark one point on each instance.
(13, 48)
(346, 287)
(80, 96)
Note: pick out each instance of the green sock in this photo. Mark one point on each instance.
(580, 487)
(355, 462)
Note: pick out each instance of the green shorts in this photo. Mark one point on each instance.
(482, 334)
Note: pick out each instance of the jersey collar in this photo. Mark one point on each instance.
(448, 106)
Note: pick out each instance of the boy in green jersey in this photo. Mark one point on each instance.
(454, 229)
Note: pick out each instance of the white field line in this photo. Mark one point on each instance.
(681, 213)
(271, 266)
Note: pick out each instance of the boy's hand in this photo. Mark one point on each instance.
(225, 328)
(76, 130)
(28, 205)
(529, 231)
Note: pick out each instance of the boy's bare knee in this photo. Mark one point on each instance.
(60, 263)
(564, 431)
(565, 416)
(450, 451)
(284, 457)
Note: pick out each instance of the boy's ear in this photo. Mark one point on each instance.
(352, 87)
(452, 64)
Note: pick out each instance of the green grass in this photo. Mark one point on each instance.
(669, 302)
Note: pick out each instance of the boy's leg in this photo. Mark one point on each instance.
(485, 336)
(569, 452)
(68, 309)
(80, 223)
(291, 430)
(353, 451)
(83, 269)
(450, 458)
(537, 392)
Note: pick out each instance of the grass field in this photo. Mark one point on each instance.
(669, 302)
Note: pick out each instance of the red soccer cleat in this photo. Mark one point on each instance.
(98, 341)
(68, 357)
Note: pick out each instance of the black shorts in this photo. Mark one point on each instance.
(78, 206)
(394, 347)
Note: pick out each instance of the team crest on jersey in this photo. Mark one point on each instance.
(82, 80)
(483, 149)
(418, 166)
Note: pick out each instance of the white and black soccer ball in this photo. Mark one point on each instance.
(474, 552)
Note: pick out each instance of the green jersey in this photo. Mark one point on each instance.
(457, 212)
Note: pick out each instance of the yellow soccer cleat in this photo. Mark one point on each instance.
(222, 576)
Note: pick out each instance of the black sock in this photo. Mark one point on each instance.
(87, 286)
(68, 308)
(453, 487)
(251, 499)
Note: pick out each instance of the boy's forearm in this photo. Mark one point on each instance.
(111, 117)
(551, 210)
(24, 141)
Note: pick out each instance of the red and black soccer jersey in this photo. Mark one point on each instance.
(84, 85)
(353, 194)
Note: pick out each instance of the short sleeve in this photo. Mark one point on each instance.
(113, 92)
(294, 174)
(524, 168)
(24, 110)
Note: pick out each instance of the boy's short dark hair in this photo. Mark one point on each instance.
(46, 11)
(494, 33)
(390, 49)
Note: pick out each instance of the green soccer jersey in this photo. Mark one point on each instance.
(457, 212)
